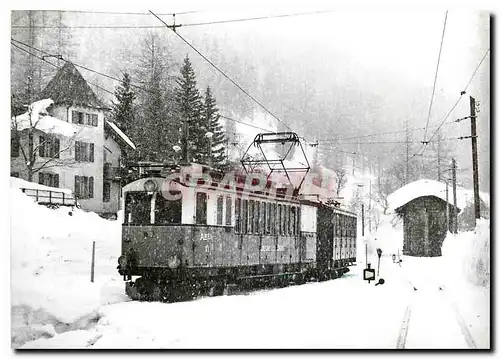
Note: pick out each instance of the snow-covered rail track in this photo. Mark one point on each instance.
(432, 319)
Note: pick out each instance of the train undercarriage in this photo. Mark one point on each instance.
(184, 284)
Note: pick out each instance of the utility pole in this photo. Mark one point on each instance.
(454, 179)
(370, 208)
(439, 154)
(475, 170)
(447, 208)
(407, 142)
(362, 219)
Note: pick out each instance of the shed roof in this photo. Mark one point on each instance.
(69, 87)
(421, 188)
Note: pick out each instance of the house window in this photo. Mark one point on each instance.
(48, 179)
(220, 209)
(84, 152)
(201, 208)
(228, 211)
(106, 191)
(83, 118)
(84, 187)
(14, 146)
(48, 147)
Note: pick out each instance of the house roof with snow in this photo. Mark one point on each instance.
(38, 118)
(119, 133)
(421, 188)
(70, 88)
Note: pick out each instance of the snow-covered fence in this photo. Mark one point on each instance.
(50, 197)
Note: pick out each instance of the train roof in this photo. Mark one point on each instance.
(174, 177)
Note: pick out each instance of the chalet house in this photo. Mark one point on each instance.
(74, 146)
(423, 206)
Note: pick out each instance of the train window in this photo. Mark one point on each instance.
(289, 219)
(237, 215)
(220, 208)
(274, 225)
(293, 219)
(138, 208)
(229, 211)
(265, 218)
(250, 216)
(201, 208)
(280, 220)
(168, 211)
(257, 217)
(268, 218)
(244, 216)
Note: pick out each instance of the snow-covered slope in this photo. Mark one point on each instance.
(50, 266)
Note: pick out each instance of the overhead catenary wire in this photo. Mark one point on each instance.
(463, 92)
(112, 93)
(58, 67)
(183, 25)
(81, 66)
(222, 72)
(435, 75)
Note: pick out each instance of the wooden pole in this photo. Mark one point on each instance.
(447, 208)
(454, 179)
(93, 263)
(475, 169)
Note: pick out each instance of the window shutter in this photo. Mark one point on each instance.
(57, 148)
(77, 186)
(74, 116)
(41, 147)
(91, 187)
(77, 150)
(91, 152)
(41, 178)
(56, 180)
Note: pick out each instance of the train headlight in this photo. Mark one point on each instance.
(150, 186)
(174, 262)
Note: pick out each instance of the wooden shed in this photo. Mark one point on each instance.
(423, 209)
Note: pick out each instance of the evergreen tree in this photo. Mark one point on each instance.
(189, 107)
(156, 127)
(216, 154)
(123, 109)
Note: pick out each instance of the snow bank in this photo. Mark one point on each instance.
(50, 265)
(467, 255)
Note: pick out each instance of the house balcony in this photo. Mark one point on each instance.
(112, 173)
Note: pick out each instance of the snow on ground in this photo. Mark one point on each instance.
(54, 305)
(50, 267)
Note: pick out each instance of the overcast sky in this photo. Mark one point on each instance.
(387, 50)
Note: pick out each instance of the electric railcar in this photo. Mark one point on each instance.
(189, 234)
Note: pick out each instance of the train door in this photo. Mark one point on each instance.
(199, 235)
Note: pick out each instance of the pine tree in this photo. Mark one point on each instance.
(216, 154)
(156, 127)
(189, 107)
(123, 109)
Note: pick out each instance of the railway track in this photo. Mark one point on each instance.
(432, 319)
